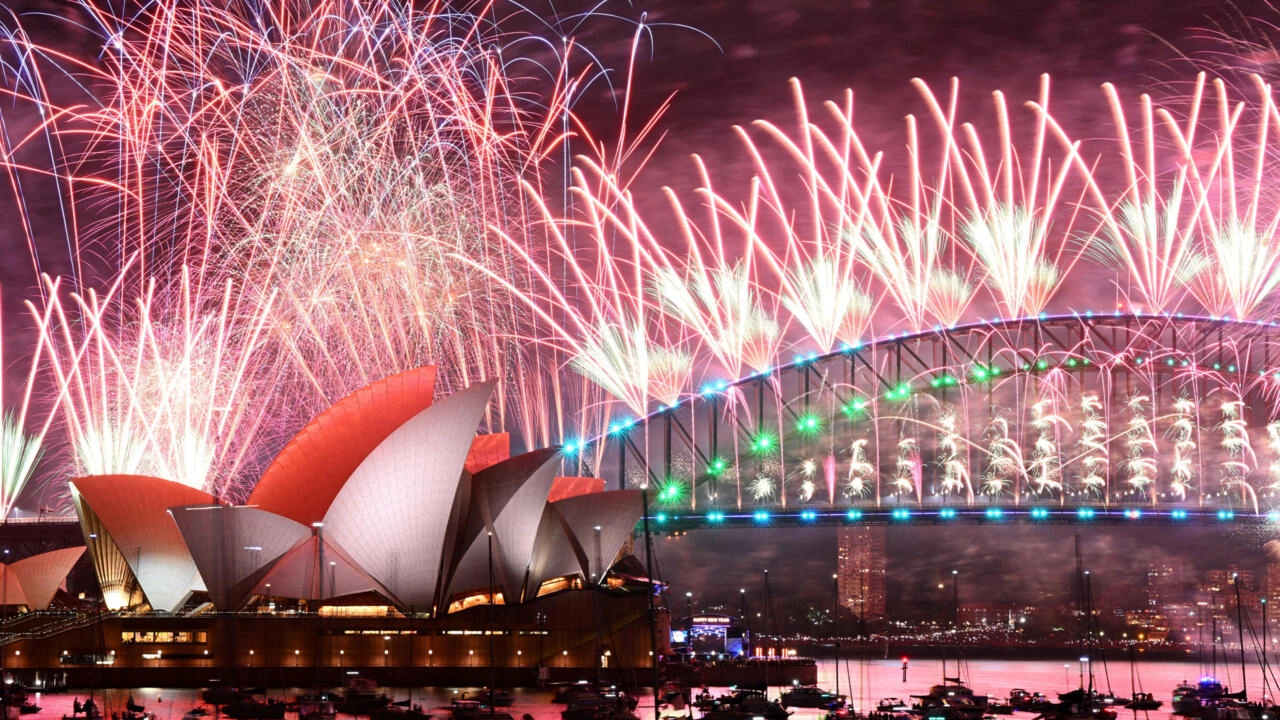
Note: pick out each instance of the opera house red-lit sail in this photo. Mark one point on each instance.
(386, 493)
(135, 546)
(330, 448)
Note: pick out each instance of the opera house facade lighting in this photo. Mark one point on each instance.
(387, 495)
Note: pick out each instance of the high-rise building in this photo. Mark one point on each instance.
(1272, 594)
(860, 570)
(1164, 584)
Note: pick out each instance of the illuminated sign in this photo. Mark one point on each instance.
(711, 620)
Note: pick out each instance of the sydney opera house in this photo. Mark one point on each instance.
(386, 537)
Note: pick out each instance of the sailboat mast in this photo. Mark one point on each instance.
(1088, 614)
(1244, 686)
(1266, 665)
(835, 623)
(648, 562)
(1080, 601)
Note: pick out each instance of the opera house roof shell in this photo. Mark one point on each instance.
(386, 492)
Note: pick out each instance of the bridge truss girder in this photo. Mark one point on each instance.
(1184, 413)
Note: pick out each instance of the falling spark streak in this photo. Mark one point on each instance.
(1093, 443)
(1004, 460)
(1182, 468)
(1240, 460)
(955, 471)
(862, 473)
(1140, 446)
(1045, 468)
(908, 468)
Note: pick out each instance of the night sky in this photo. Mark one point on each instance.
(728, 62)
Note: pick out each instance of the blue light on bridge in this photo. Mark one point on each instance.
(1225, 515)
(1133, 514)
(617, 427)
(572, 447)
(1085, 513)
(717, 386)
(661, 517)
(761, 516)
(715, 516)
(1039, 513)
(947, 513)
(1178, 514)
(853, 515)
(808, 515)
(994, 513)
(802, 360)
(901, 514)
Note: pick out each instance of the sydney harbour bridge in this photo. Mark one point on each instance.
(1102, 417)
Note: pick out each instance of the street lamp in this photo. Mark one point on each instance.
(955, 596)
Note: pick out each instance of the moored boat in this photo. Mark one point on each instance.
(811, 696)
(951, 700)
(1144, 701)
(1079, 705)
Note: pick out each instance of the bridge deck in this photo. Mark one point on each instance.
(1132, 516)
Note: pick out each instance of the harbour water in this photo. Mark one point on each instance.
(864, 681)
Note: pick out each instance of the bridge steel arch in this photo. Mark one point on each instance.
(1050, 416)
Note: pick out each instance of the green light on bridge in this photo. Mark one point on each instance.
(809, 424)
(717, 466)
(981, 373)
(763, 443)
(902, 392)
(854, 407)
(672, 491)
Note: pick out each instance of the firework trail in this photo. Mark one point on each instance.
(19, 450)
(172, 393)
(330, 160)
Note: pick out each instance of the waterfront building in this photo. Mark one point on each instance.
(860, 573)
(1272, 593)
(1164, 584)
